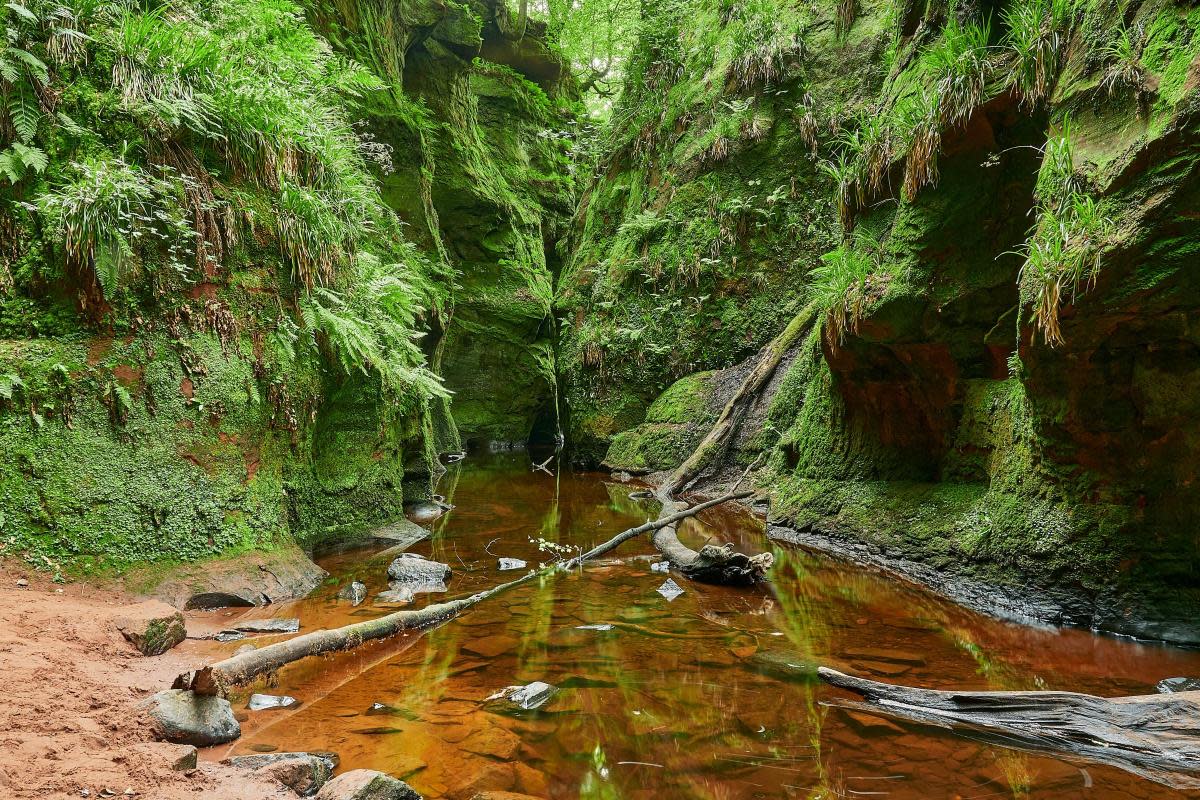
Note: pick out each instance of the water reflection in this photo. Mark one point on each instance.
(711, 695)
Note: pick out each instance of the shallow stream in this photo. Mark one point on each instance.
(688, 698)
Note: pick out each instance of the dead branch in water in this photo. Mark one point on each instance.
(713, 564)
(219, 678)
(1155, 736)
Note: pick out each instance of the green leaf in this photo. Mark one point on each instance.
(32, 157)
(10, 383)
(23, 11)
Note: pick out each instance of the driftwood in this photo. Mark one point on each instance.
(1155, 736)
(219, 678)
(723, 564)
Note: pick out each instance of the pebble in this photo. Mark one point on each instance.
(261, 702)
(21, 584)
(670, 590)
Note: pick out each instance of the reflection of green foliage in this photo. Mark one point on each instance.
(595, 784)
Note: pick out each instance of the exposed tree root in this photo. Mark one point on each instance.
(219, 678)
(723, 564)
(1156, 736)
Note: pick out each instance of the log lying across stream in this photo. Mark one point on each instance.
(723, 564)
(219, 678)
(1155, 736)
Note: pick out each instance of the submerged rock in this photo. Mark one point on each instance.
(783, 666)
(529, 697)
(152, 627)
(184, 717)
(1172, 685)
(277, 625)
(261, 702)
(355, 592)
(670, 590)
(367, 784)
(303, 773)
(424, 512)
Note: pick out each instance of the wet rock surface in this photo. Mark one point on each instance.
(413, 569)
(183, 717)
(264, 702)
(366, 784)
(1172, 685)
(355, 592)
(280, 625)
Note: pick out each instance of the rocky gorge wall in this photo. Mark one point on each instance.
(199, 422)
(934, 185)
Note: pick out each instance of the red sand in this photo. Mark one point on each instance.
(69, 687)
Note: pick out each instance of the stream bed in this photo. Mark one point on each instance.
(707, 695)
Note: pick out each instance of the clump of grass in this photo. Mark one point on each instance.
(921, 118)
(846, 173)
(1124, 68)
(843, 287)
(1036, 36)
(962, 69)
(847, 12)
(107, 211)
(1062, 256)
(764, 40)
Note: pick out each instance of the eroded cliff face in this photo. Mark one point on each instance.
(218, 420)
(963, 401)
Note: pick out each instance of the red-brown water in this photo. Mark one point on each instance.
(678, 699)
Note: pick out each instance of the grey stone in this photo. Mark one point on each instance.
(402, 533)
(670, 589)
(262, 702)
(367, 784)
(1172, 685)
(414, 569)
(303, 773)
(529, 697)
(183, 717)
(229, 636)
(661, 566)
(280, 625)
(424, 512)
(355, 592)
(511, 563)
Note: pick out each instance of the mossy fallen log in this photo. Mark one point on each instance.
(1155, 736)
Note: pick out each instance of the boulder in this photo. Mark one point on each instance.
(367, 784)
(412, 568)
(184, 717)
(303, 773)
(152, 627)
(401, 533)
(424, 512)
(355, 592)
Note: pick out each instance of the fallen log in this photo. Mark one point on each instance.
(723, 564)
(219, 678)
(1155, 736)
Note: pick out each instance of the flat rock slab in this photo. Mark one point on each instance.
(183, 717)
(303, 773)
(256, 578)
(401, 533)
(367, 784)
(280, 625)
(415, 569)
(153, 627)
